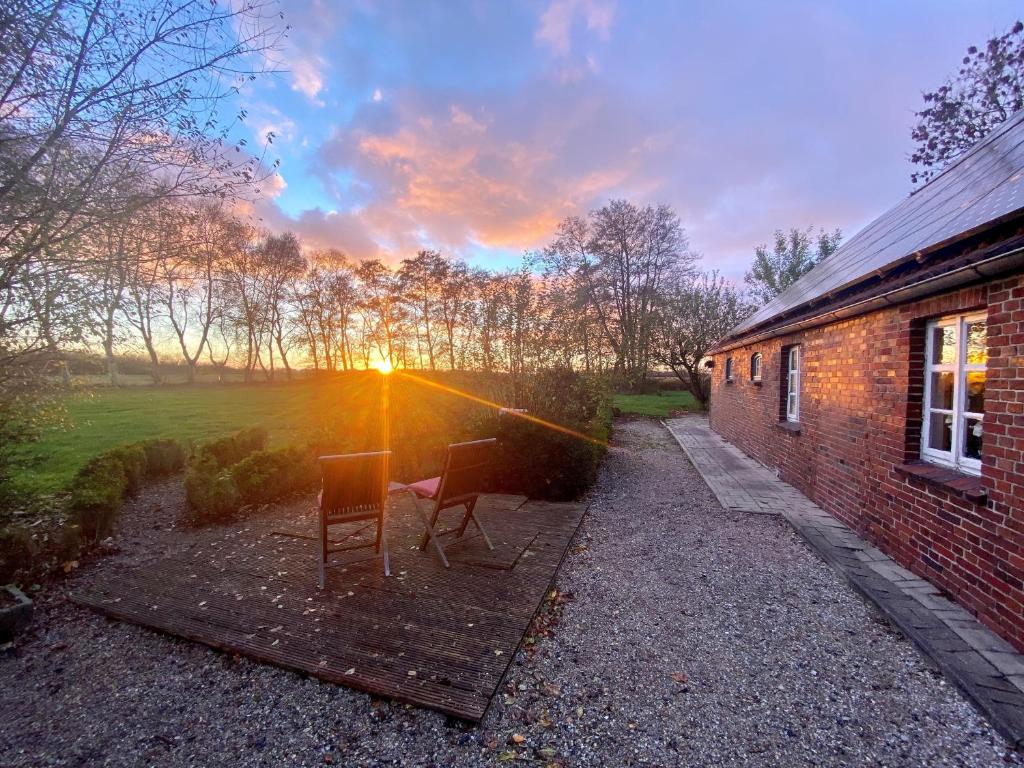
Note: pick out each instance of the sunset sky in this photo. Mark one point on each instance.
(475, 127)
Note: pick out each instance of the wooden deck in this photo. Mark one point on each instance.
(430, 637)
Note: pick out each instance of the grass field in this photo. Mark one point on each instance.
(342, 407)
(659, 405)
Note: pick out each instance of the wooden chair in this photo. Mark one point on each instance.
(459, 484)
(355, 489)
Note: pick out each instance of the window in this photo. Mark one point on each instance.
(792, 359)
(755, 367)
(728, 369)
(956, 351)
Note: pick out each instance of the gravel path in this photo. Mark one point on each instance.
(681, 635)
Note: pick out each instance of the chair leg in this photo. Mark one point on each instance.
(476, 522)
(424, 541)
(382, 538)
(323, 553)
(432, 539)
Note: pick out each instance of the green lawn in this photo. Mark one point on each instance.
(659, 405)
(346, 406)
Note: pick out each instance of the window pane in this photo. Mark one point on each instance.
(975, 394)
(942, 390)
(972, 438)
(944, 344)
(940, 432)
(977, 348)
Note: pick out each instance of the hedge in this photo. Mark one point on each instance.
(542, 461)
(230, 450)
(268, 475)
(95, 496)
(217, 487)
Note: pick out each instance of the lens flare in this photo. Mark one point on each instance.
(504, 409)
(383, 366)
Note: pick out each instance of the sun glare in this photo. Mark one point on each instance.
(384, 366)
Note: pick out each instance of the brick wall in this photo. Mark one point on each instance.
(860, 414)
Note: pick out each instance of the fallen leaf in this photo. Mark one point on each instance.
(498, 652)
(679, 677)
(350, 670)
(70, 565)
(411, 673)
(518, 738)
(507, 755)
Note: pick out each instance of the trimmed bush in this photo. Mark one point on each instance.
(544, 462)
(215, 493)
(230, 450)
(164, 456)
(133, 462)
(100, 487)
(210, 491)
(97, 493)
(17, 550)
(268, 475)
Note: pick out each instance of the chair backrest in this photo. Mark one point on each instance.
(354, 482)
(465, 469)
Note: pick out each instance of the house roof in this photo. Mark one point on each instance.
(983, 187)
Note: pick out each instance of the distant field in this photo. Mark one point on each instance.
(342, 406)
(659, 405)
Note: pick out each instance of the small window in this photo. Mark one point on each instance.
(755, 367)
(728, 369)
(956, 352)
(793, 384)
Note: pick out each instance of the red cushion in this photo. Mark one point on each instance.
(425, 489)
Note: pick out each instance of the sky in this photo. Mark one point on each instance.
(475, 127)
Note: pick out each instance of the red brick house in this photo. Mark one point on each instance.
(887, 384)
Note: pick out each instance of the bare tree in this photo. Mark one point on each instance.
(619, 259)
(422, 281)
(381, 308)
(693, 315)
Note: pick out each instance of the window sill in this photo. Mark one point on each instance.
(969, 487)
(793, 427)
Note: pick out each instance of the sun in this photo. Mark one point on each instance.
(384, 366)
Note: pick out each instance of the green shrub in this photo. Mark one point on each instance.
(210, 491)
(98, 491)
(540, 460)
(163, 456)
(230, 450)
(17, 550)
(133, 462)
(268, 475)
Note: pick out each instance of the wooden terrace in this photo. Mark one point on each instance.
(427, 636)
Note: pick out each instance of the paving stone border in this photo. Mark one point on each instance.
(985, 667)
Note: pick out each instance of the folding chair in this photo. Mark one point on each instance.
(459, 484)
(355, 489)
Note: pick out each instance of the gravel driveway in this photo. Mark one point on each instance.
(681, 635)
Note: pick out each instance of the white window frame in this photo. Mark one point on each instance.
(959, 368)
(793, 384)
(755, 366)
(728, 369)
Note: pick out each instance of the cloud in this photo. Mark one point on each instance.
(307, 77)
(556, 23)
(312, 25)
(500, 174)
